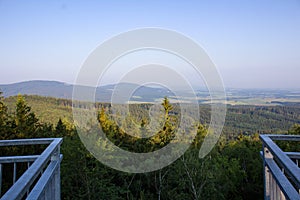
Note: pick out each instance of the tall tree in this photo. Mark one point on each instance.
(167, 106)
(3, 118)
(25, 120)
(165, 135)
(3, 110)
(60, 129)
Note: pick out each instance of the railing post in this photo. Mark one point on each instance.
(15, 173)
(267, 175)
(55, 185)
(0, 179)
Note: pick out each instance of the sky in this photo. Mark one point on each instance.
(254, 44)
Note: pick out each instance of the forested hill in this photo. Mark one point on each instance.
(150, 94)
(64, 90)
(42, 88)
(240, 119)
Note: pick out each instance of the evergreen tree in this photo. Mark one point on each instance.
(25, 120)
(60, 129)
(167, 107)
(3, 118)
(165, 135)
(3, 110)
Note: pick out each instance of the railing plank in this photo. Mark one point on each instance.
(283, 137)
(293, 155)
(11, 159)
(34, 141)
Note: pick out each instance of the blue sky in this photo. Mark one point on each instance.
(254, 44)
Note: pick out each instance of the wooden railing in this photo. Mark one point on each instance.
(41, 180)
(281, 169)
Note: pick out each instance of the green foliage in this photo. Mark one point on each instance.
(3, 109)
(233, 170)
(245, 150)
(25, 120)
(47, 109)
(245, 119)
(3, 116)
(83, 177)
(263, 119)
(295, 130)
(60, 129)
(291, 146)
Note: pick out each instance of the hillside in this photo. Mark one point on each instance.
(63, 90)
(240, 119)
(47, 109)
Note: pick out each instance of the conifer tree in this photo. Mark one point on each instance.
(25, 120)
(3, 117)
(60, 129)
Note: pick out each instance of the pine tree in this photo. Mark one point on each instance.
(3, 118)
(167, 107)
(3, 110)
(25, 120)
(60, 129)
(166, 134)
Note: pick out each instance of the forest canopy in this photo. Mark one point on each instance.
(233, 169)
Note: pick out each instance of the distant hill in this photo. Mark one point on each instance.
(50, 100)
(41, 88)
(146, 94)
(63, 90)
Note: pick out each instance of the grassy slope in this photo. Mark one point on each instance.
(47, 109)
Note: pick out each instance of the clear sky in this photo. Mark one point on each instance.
(253, 43)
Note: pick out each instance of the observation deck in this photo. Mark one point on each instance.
(34, 176)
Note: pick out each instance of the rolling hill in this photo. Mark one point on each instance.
(64, 90)
(149, 94)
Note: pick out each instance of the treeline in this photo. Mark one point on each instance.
(261, 119)
(233, 169)
(240, 119)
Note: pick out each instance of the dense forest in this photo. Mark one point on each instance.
(240, 119)
(232, 170)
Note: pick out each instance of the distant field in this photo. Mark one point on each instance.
(263, 101)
